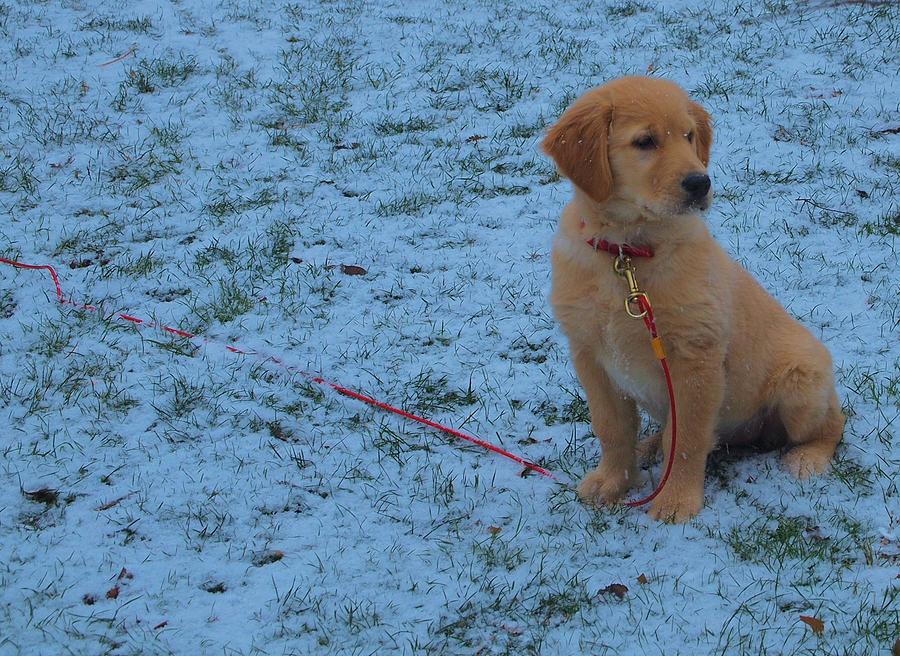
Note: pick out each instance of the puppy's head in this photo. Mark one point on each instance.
(636, 140)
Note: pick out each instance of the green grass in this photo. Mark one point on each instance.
(140, 25)
(7, 304)
(773, 542)
(387, 127)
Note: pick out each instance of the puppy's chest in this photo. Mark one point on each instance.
(619, 343)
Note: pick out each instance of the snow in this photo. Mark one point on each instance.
(218, 178)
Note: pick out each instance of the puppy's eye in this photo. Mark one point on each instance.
(690, 136)
(644, 143)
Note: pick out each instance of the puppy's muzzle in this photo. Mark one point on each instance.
(696, 185)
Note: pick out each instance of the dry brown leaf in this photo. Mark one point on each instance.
(113, 593)
(817, 625)
(616, 589)
(494, 530)
(353, 270)
(267, 557)
(642, 579)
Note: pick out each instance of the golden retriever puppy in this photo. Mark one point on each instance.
(636, 150)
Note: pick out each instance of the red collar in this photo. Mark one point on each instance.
(619, 249)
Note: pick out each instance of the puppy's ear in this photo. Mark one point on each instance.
(703, 136)
(579, 144)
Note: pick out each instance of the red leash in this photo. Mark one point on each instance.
(660, 353)
(308, 376)
(638, 297)
(635, 296)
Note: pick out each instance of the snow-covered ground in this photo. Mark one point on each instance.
(162, 497)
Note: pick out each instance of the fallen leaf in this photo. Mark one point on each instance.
(297, 260)
(88, 599)
(862, 193)
(642, 579)
(113, 593)
(817, 625)
(161, 625)
(267, 557)
(353, 270)
(616, 589)
(650, 67)
(494, 530)
(475, 138)
(125, 574)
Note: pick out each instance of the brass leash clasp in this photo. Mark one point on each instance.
(633, 306)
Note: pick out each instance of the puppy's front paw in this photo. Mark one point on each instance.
(676, 506)
(606, 485)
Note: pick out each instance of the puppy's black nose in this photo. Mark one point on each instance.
(696, 184)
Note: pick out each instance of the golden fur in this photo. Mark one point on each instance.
(743, 370)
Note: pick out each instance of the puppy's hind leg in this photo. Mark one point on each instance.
(808, 406)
